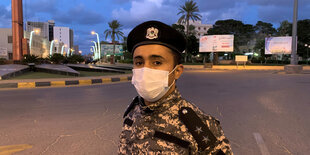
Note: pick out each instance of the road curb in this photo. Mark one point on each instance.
(64, 83)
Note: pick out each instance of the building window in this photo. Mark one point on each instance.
(10, 39)
(198, 28)
(10, 56)
(205, 28)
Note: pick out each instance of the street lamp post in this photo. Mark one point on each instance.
(31, 35)
(294, 68)
(68, 53)
(62, 49)
(96, 49)
(99, 52)
(307, 46)
(294, 38)
(51, 48)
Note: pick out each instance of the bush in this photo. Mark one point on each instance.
(30, 58)
(57, 58)
(127, 61)
(2, 61)
(43, 61)
(75, 58)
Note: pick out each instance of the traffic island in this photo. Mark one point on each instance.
(12, 70)
(56, 69)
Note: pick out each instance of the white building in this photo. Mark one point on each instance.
(201, 29)
(6, 41)
(46, 28)
(63, 35)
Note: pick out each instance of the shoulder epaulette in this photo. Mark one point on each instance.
(199, 130)
(132, 105)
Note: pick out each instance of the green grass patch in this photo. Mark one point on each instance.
(87, 73)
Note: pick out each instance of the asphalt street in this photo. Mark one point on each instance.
(261, 112)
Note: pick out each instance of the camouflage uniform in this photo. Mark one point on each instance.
(171, 125)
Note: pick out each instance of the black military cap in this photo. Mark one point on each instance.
(155, 32)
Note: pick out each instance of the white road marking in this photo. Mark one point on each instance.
(261, 144)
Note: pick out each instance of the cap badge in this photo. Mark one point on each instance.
(152, 33)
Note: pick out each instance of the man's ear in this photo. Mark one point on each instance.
(178, 71)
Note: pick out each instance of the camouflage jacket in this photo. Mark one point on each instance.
(171, 125)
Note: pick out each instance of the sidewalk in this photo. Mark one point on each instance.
(240, 67)
(61, 82)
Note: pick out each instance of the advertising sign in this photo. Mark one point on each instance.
(241, 58)
(278, 45)
(107, 49)
(216, 43)
(3, 52)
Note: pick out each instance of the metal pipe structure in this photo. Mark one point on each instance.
(294, 37)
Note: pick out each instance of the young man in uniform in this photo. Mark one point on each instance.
(159, 120)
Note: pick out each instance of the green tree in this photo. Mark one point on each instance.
(30, 58)
(114, 32)
(188, 11)
(303, 33)
(243, 33)
(57, 58)
(264, 28)
(75, 58)
(179, 27)
(285, 28)
(124, 44)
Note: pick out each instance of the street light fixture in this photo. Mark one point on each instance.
(93, 33)
(307, 46)
(36, 31)
(51, 48)
(62, 49)
(96, 49)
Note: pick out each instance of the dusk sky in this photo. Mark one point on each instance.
(83, 16)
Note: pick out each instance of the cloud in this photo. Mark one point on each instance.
(79, 15)
(5, 16)
(145, 10)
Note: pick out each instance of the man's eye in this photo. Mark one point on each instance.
(138, 63)
(157, 63)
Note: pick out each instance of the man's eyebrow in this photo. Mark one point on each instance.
(138, 57)
(156, 56)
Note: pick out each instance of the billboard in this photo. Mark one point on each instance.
(107, 49)
(241, 58)
(216, 43)
(3, 52)
(278, 45)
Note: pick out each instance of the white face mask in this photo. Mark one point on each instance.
(151, 84)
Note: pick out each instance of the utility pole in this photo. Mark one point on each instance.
(17, 30)
(294, 67)
(294, 37)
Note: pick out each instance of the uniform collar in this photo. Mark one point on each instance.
(163, 102)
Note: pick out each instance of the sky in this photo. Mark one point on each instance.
(84, 16)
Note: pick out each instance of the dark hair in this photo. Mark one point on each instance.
(177, 58)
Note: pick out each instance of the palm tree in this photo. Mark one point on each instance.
(189, 11)
(114, 32)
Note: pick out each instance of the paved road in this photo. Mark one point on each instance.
(259, 112)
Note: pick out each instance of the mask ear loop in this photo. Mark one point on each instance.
(173, 79)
